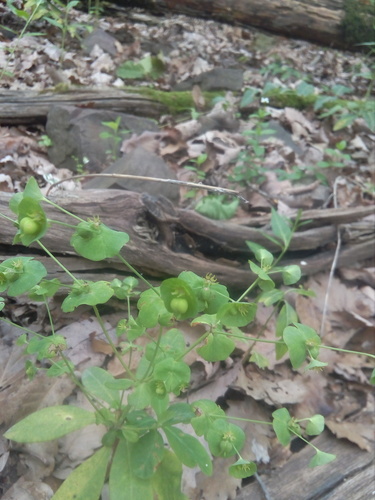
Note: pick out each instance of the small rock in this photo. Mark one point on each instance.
(139, 162)
(75, 135)
(102, 39)
(216, 79)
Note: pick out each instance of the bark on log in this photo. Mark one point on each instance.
(164, 244)
(30, 106)
(313, 20)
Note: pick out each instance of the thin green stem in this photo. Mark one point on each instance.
(248, 290)
(138, 274)
(23, 328)
(194, 345)
(63, 210)
(49, 316)
(109, 340)
(229, 417)
(152, 361)
(57, 261)
(348, 351)
(60, 223)
(78, 383)
(8, 218)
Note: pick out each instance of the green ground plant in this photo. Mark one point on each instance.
(115, 135)
(144, 410)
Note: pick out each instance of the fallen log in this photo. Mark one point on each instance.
(31, 106)
(320, 21)
(164, 242)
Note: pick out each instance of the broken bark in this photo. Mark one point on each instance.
(163, 244)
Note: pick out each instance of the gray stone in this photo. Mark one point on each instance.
(75, 135)
(216, 79)
(139, 162)
(101, 38)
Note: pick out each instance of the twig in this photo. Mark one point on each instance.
(196, 185)
(263, 487)
(334, 262)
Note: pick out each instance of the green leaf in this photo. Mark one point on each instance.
(315, 425)
(96, 381)
(46, 347)
(146, 454)
(32, 190)
(260, 360)
(166, 481)
(248, 96)
(237, 313)
(286, 316)
(301, 339)
(281, 227)
(305, 89)
(29, 210)
(95, 241)
(131, 70)
(321, 458)
(20, 274)
(280, 424)
(263, 256)
(50, 423)
(372, 377)
(172, 345)
(87, 480)
(176, 414)
(174, 374)
(46, 288)
(188, 449)
(176, 289)
(225, 439)
(216, 207)
(140, 397)
(217, 347)
(271, 297)
(123, 484)
(90, 293)
(242, 468)
(291, 274)
(265, 283)
(152, 310)
(206, 412)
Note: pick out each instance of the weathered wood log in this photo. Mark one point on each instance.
(32, 106)
(164, 243)
(314, 20)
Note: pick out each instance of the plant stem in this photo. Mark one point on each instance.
(109, 340)
(137, 273)
(57, 261)
(63, 210)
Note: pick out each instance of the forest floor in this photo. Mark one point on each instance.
(292, 123)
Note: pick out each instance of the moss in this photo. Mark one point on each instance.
(176, 102)
(358, 23)
(281, 98)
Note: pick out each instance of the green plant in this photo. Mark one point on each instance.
(217, 207)
(57, 13)
(249, 168)
(357, 25)
(80, 164)
(137, 411)
(45, 141)
(114, 135)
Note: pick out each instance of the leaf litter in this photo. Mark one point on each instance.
(187, 48)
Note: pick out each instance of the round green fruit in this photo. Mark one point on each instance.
(29, 226)
(179, 305)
